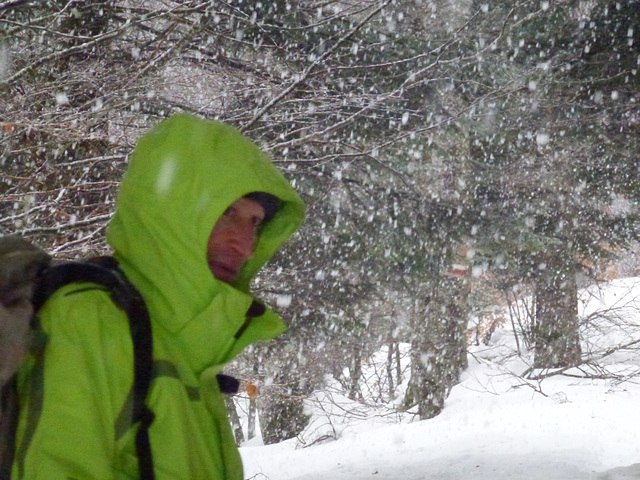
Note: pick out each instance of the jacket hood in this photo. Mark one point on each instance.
(181, 177)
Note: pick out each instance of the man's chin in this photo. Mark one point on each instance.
(224, 274)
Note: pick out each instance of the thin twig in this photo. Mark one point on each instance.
(305, 74)
(65, 226)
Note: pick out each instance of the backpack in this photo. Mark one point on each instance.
(28, 277)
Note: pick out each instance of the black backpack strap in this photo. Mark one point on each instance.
(107, 274)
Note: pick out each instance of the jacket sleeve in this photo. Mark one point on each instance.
(73, 390)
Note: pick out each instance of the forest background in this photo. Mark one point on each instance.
(453, 155)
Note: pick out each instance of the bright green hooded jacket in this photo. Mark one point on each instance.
(75, 420)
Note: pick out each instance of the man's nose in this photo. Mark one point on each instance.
(243, 240)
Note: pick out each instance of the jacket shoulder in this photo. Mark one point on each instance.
(81, 306)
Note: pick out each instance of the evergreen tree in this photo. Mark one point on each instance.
(547, 173)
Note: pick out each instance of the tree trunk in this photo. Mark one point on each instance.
(439, 348)
(355, 372)
(251, 421)
(398, 365)
(283, 418)
(234, 419)
(253, 407)
(556, 335)
(282, 413)
(390, 351)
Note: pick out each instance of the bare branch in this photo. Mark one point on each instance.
(305, 74)
(66, 226)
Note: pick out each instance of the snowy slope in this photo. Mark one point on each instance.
(495, 425)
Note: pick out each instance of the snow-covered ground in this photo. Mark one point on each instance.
(495, 425)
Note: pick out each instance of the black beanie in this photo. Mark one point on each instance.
(270, 203)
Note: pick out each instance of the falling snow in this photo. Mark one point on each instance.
(467, 168)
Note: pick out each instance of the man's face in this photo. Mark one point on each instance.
(233, 238)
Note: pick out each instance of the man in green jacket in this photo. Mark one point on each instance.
(200, 211)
